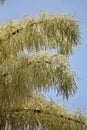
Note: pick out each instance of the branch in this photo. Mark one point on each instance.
(43, 71)
(58, 32)
(20, 29)
(46, 113)
(17, 31)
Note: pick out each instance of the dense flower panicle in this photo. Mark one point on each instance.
(26, 67)
(39, 113)
(42, 71)
(59, 32)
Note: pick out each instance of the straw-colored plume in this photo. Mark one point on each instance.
(59, 32)
(26, 67)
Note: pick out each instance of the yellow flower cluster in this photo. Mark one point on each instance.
(59, 32)
(26, 67)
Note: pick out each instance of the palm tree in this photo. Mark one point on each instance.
(27, 69)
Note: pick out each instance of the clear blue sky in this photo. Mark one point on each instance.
(16, 8)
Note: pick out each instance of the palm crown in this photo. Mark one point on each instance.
(27, 67)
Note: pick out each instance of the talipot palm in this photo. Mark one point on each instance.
(27, 69)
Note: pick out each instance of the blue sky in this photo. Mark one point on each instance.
(13, 9)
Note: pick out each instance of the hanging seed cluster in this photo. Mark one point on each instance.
(26, 67)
